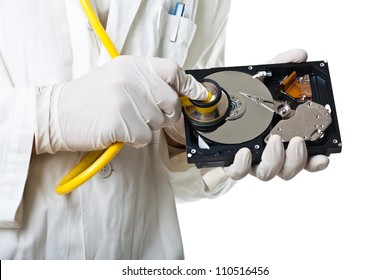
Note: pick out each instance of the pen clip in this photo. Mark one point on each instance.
(178, 13)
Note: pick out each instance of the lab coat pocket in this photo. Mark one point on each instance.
(4, 77)
(177, 35)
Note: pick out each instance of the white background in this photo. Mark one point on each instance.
(328, 225)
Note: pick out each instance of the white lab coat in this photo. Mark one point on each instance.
(128, 210)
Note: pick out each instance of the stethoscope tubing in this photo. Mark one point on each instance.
(94, 161)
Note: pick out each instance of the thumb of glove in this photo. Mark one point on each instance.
(290, 56)
(317, 163)
(169, 71)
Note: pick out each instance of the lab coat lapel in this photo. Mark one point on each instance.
(120, 18)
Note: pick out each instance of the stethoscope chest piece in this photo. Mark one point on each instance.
(208, 115)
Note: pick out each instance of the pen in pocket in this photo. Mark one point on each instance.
(178, 13)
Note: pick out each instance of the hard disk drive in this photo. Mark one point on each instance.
(250, 103)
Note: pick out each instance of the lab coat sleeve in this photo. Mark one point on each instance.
(16, 138)
(190, 183)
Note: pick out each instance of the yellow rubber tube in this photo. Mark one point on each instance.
(99, 29)
(94, 161)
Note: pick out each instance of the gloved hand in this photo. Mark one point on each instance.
(121, 101)
(275, 159)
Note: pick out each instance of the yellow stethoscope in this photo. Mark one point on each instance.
(94, 161)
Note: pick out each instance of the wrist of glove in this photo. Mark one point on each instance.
(125, 100)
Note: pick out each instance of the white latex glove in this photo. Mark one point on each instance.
(290, 56)
(275, 159)
(121, 101)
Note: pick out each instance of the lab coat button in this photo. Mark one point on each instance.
(105, 171)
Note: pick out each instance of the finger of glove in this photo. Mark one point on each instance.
(174, 75)
(290, 56)
(317, 163)
(134, 131)
(296, 157)
(241, 164)
(154, 92)
(157, 102)
(167, 100)
(271, 160)
(133, 77)
(129, 118)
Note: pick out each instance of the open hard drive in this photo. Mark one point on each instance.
(250, 103)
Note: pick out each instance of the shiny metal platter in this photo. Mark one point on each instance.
(241, 127)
